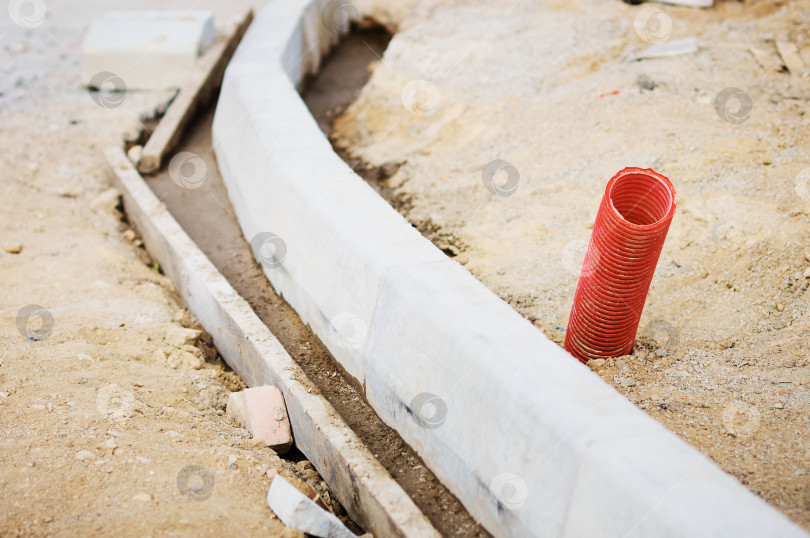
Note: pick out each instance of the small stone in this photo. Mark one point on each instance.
(181, 336)
(304, 464)
(184, 359)
(779, 406)
(780, 307)
(12, 248)
(129, 235)
(596, 364)
(85, 455)
(134, 154)
(232, 461)
(662, 352)
(646, 83)
(271, 473)
(159, 356)
(109, 444)
(142, 497)
(806, 273)
(197, 352)
(106, 201)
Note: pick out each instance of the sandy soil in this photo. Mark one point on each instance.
(109, 426)
(722, 358)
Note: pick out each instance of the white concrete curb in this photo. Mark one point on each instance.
(531, 441)
(369, 494)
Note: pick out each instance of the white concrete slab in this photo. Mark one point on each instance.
(147, 50)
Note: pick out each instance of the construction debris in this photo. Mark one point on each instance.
(669, 48)
(790, 56)
(295, 510)
(262, 411)
(144, 50)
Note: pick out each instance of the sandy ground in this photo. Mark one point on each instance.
(109, 425)
(551, 89)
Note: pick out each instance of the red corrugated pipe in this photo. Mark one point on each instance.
(627, 239)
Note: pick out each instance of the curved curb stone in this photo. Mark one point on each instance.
(531, 441)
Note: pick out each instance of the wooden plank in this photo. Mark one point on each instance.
(362, 485)
(203, 83)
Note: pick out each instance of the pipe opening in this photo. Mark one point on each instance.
(641, 199)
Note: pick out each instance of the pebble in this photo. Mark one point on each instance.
(779, 406)
(134, 154)
(596, 364)
(142, 497)
(232, 461)
(85, 455)
(646, 83)
(12, 248)
(180, 336)
(105, 201)
(806, 273)
(780, 307)
(129, 235)
(109, 444)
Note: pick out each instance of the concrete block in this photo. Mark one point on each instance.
(262, 411)
(147, 50)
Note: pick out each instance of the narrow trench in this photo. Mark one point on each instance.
(327, 95)
(206, 215)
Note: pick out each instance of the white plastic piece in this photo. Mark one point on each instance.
(295, 510)
(145, 50)
(531, 441)
(676, 47)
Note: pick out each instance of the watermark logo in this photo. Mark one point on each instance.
(652, 25)
(802, 184)
(657, 328)
(420, 98)
(35, 322)
(500, 177)
(110, 89)
(741, 420)
(350, 330)
(188, 170)
(114, 402)
(577, 260)
(428, 410)
(510, 491)
(337, 15)
(268, 249)
(195, 482)
(27, 13)
(733, 105)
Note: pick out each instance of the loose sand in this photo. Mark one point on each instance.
(722, 355)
